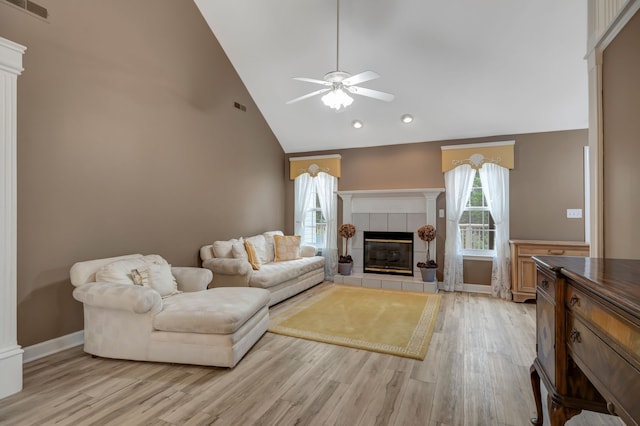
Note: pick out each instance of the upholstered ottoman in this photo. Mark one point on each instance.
(212, 327)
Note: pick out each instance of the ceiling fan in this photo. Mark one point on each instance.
(337, 82)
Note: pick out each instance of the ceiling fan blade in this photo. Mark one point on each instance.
(360, 78)
(313, 80)
(376, 94)
(308, 95)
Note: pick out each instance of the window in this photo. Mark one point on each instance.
(477, 227)
(314, 223)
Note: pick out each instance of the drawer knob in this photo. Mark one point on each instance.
(545, 284)
(575, 336)
(611, 408)
(575, 300)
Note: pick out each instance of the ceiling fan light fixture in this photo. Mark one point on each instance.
(357, 124)
(406, 118)
(336, 99)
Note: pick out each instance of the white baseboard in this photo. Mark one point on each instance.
(476, 288)
(39, 350)
(10, 370)
(470, 288)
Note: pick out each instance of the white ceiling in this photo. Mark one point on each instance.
(462, 68)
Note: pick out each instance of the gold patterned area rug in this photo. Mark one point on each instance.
(388, 321)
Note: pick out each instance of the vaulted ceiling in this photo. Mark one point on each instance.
(463, 68)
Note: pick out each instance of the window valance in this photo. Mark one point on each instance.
(329, 164)
(477, 154)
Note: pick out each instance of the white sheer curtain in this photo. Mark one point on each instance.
(303, 200)
(326, 186)
(458, 183)
(495, 185)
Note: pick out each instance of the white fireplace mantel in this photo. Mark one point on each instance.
(419, 200)
(388, 210)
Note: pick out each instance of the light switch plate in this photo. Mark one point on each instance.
(574, 213)
(441, 213)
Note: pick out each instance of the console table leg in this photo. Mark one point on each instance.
(537, 396)
(559, 414)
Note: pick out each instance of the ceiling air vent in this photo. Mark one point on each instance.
(30, 7)
(240, 107)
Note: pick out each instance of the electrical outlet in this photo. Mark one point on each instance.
(574, 213)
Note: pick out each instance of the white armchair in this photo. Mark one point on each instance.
(123, 320)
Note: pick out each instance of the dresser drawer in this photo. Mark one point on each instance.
(619, 380)
(616, 327)
(525, 250)
(546, 284)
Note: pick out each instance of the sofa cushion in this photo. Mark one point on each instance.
(270, 245)
(286, 247)
(272, 274)
(218, 310)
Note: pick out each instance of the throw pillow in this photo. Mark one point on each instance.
(159, 278)
(252, 256)
(270, 245)
(119, 272)
(223, 249)
(239, 251)
(260, 244)
(286, 247)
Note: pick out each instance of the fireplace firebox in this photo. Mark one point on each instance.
(388, 253)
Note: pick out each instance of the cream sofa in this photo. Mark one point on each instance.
(189, 325)
(228, 262)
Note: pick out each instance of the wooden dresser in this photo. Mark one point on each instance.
(523, 269)
(587, 337)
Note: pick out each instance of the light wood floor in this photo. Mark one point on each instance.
(476, 372)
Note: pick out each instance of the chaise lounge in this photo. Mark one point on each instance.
(140, 308)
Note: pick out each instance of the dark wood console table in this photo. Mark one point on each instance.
(587, 337)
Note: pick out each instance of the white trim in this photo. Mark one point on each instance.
(392, 192)
(476, 288)
(624, 16)
(10, 352)
(315, 157)
(50, 347)
(469, 288)
(482, 257)
(587, 196)
(476, 145)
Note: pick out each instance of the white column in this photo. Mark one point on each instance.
(10, 352)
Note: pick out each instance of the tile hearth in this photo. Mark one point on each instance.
(393, 282)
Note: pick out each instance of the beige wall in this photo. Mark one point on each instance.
(128, 142)
(547, 180)
(621, 143)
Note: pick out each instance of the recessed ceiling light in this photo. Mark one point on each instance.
(357, 124)
(407, 118)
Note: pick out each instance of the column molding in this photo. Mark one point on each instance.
(606, 19)
(10, 352)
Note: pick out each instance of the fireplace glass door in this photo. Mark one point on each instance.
(388, 253)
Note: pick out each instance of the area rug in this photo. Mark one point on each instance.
(388, 321)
